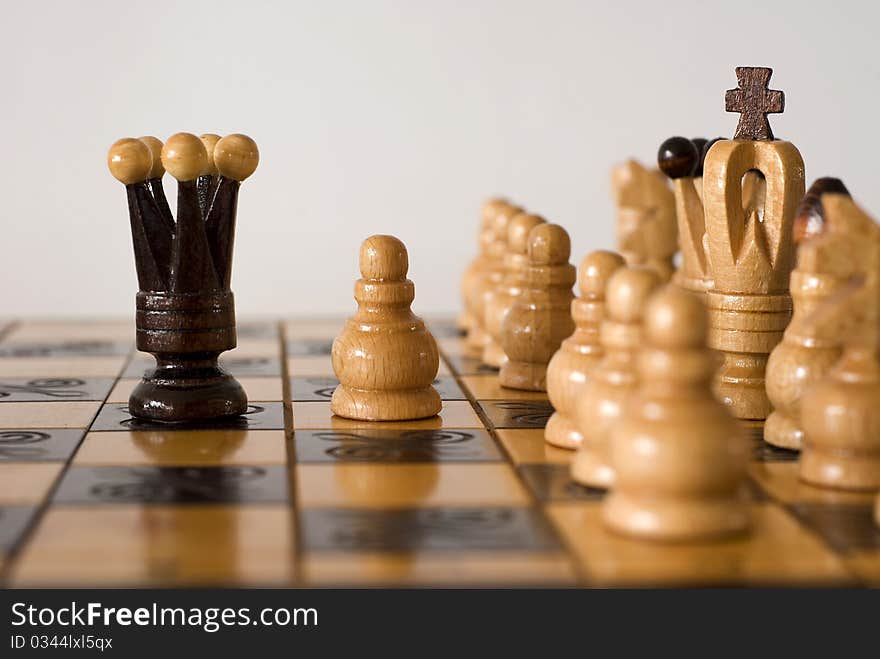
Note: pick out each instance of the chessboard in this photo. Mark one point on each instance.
(289, 495)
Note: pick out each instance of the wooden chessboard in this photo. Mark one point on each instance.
(290, 496)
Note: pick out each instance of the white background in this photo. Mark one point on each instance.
(389, 117)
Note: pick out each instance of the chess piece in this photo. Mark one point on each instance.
(877, 510)
(185, 308)
(750, 245)
(516, 262)
(384, 356)
(478, 265)
(488, 279)
(681, 160)
(540, 317)
(678, 454)
(807, 351)
(614, 378)
(646, 231)
(569, 368)
(840, 415)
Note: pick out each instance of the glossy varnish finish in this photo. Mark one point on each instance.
(570, 367)
(384, 356)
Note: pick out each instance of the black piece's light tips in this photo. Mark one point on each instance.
(129, 160)
(678, 157)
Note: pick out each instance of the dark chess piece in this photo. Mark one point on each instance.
(185, 309)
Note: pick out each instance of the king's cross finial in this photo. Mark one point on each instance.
(754, 101)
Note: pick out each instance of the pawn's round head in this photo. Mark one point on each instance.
(506, 212)
(678, 157)
(518, 231)
(549, 244)
(628, 291)
(184, 156)
(236, 156)
(595, 271)
(675, 318)
(129, 160)
(154, 144)
(384, 257)
(210, 141)
(491, 208)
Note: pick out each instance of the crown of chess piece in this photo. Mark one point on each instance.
(570, 367)
(516, 262)
(185, 308)
(646, 230)
(384, 356)
(840, 415)
(540, 317)
(807, 351)
(478, 265)
(752, 188)
(679, 456)
(614, 378)
(488, 279)
(682, 161)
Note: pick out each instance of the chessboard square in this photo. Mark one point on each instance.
(55, 330)
(259, 416)
(845, 528)
(61, 367)
(317, 416)
(442, 327)
(159, 546)
(249, 348)
(24, 483)
(27, 390)
(528, 446)
(776, 551)
(782, 482)
(310, 347)
(313, 328)
(503, 569)
(310, 367)
(487, 387)
(256, 330)
(462, 529)
(62, 348)
(196, 448)
(48, 415)
(38, 444)
(467, 365)
(517, 413)
(14, 521)
(408, 485)
(553, 482)
(177, 485)
(266, 389)
(370, 445)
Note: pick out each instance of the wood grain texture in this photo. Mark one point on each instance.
(570, 367)
(384, 356)
(614, 378)
(754, 101)
(807, 350)
(499, 302)
(678, 456)
(751, 252)
(841, 414)
(540, 317)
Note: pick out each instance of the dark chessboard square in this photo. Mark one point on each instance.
(845, 528)
(240, 367)
(309, 347)
(553, 482)
(14, 521)
(426, 529)
(262, 416)
(91, 348)
(256, 330)
(308, 389)
(517, 413)
(24, 390)
(444, 329)
(395, 445)
(470, 365)
(173, 485)
(38, 444)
